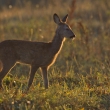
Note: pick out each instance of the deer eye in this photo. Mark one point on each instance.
(67, 29)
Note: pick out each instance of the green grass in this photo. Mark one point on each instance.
(80, 78)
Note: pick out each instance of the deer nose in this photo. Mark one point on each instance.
(73, 36)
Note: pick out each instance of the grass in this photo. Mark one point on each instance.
(80, 78)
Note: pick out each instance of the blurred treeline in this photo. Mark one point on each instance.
(22, 3)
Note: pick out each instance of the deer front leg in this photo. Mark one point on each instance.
(32, 74)
(45, 77)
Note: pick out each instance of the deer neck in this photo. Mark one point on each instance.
(57, 43)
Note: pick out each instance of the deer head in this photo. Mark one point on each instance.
(63, 29)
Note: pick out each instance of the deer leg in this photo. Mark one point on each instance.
(7, 66)
(32, 74)
(45, 77)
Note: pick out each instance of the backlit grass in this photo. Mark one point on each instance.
(80, 78)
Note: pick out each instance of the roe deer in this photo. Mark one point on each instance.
(36, 54)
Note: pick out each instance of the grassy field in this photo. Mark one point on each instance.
(80, 78)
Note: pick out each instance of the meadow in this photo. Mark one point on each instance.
(80, 77)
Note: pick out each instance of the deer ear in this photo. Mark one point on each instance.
(65, 18)
(56, 19)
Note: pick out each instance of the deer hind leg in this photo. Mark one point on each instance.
(32, 74)
(6, 67)
(45, 77)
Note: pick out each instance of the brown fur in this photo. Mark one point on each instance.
(36, 54)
